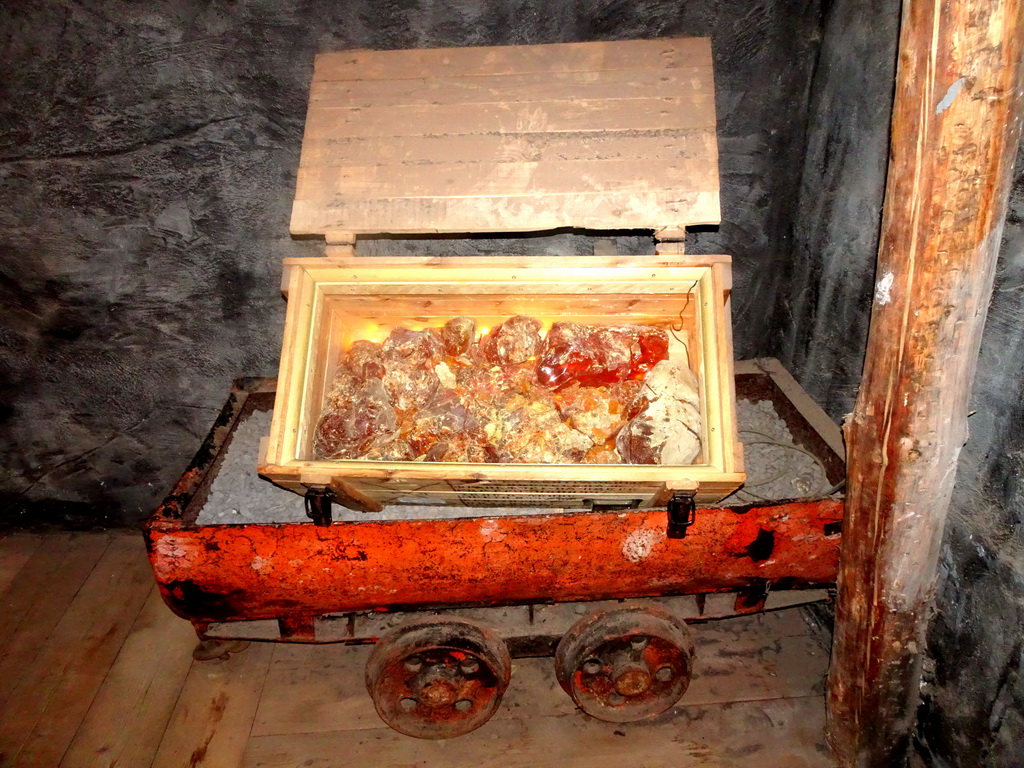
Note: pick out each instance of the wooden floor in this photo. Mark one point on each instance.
(95, 671)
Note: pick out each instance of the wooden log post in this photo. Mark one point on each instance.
(955, 130)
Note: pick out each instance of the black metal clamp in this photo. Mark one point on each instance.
(318, 504)
(682, 513)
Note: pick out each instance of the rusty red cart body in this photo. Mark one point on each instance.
(385, 580)
(292, 574)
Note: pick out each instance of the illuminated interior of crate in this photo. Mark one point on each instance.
(346, 312)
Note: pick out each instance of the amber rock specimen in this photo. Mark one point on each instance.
(458, 335)
(586, 394)
(513, 342)
(364, 360)
(597, 412)
(359, 418)
(409, 358)
(667, 431)
(535, 434)
(593, 355)
(443, 418)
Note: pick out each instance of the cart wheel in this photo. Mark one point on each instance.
(438, 678)
(625, 664)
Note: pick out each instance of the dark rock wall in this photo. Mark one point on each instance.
(973, 711)
(147, 161)
(823, 317)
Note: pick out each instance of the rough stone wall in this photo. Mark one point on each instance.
(973, 710)
(147, 161)
(823, 317)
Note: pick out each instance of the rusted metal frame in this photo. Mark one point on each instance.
(181, 497)
(955, 131)
(531, 629)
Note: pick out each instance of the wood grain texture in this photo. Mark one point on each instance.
(512, 60)
(37, 599)
(955, 131)
(211, 722)
(781, 732)
(597, 135)
(127, 719)
(16, 549)
(56, 690)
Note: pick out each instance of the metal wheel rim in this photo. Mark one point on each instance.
(626, 664)
(438, 677)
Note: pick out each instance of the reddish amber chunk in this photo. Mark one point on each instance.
(594, 355)
(409, 358)
(364, 360)
(514, 341)
(352, 425)
(458, 335)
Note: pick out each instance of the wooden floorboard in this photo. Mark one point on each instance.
(128, 717)
(213, 718)
(37, 599)
(96, 672)
(53, 696)
(779, 733)
(15, 550)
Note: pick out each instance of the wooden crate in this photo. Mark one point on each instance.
(595, 135)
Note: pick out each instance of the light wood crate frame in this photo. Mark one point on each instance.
(331, 303)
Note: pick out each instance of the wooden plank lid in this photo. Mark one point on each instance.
(605, 135)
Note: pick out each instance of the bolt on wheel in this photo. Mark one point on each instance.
(438, 678)
(625, 664)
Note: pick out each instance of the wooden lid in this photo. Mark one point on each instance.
(606, 135)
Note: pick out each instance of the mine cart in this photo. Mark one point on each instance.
(472, 458)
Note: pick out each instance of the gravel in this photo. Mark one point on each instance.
(776, 469)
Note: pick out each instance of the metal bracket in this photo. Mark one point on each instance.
(682, 513)
(318, 505)
(596, 505)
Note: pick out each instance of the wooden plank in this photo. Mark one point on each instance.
(127, 719)
(685, 175)
(16, 549)
(630, 123)
(955, 132)
(647, 147)
(438, 262)
(779, 732)
(37, 599)
(810, 410)
(665, 53)
(469, 88)
(456, 120)
(427, 308)
(398, 215)
(44, 711)
(318, 689)
(284, 428)
(211, 722)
